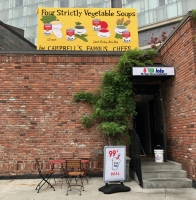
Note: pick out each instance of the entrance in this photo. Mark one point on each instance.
(149, 122)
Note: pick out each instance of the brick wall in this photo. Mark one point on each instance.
(179, 95)
(38, 117)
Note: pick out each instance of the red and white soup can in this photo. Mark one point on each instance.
(96, 24)
(126, 36)
(70, 34)
(47, 29)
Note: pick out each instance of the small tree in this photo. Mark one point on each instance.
(113, 102)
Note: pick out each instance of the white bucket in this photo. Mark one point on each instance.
(158, 154)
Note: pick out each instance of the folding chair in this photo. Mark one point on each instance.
(66, 155)
(74, 172)
(44, 175)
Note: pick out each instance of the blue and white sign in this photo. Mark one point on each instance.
(153, 71)
(114, 163)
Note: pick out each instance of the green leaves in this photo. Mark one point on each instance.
(48, 18)
(113, 104)
(78, 23)
(82, 37)
(118, 36)
(85, 97)
(111, 128)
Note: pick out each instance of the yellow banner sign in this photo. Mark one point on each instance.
(87, 29)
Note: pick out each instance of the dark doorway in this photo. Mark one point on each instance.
(149, 123)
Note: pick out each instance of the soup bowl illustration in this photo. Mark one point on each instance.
(79, 29)
(56, 24)
(103, 32)
(120, 28)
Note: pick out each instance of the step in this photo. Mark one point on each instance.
(164, 174)
(167, 183)
(154, 166)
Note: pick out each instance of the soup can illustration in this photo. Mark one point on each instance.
(96, 24)
(126, 36)
(116, 162)
(70, 34)
(47, 29)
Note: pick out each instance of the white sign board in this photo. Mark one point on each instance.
(114, 163)
(153, 71)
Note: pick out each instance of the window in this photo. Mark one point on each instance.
(130, 1)
(4, 15)
(153, 4)
(171, 1)
(142, 6)
(152, 16)
(97, 1)
(31, 1)
(160, 13)
(18, 3)
(31, 10)
(64, 3)
(32, 40)
(80, 2)
(137, 6)
(142, 19)
(161, 2)
(4, 4)
(48, 4)
(100, 5)
(31, 31)
(32, 20)
(172, 10)
(18, 22)
(18, 12)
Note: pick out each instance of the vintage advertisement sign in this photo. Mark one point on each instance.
(114, 163)
(87, 29)
(153, 71)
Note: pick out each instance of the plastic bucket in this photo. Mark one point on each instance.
(158, 154)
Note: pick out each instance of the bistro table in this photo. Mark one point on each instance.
(87, 168)
(62, 167)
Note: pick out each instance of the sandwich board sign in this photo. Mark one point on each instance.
(114, 163)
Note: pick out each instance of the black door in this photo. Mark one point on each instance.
(157, 123)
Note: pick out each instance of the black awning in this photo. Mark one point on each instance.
(147, 80)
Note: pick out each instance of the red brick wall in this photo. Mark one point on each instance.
(38, 117)
(179, 95)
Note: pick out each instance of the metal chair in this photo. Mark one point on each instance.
(44, 175)
(73, 167)
(66, 155)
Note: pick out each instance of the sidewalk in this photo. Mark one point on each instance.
(24, 189)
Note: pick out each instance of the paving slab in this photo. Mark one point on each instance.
(24, 189)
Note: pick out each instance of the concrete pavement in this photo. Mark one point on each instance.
(24, 189)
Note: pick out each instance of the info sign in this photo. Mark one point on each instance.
(114, 163)
(87, 29)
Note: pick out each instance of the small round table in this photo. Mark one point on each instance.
(62, 168)
(87, 163)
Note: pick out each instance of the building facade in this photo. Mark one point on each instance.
(22, 13)
(40, 120)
